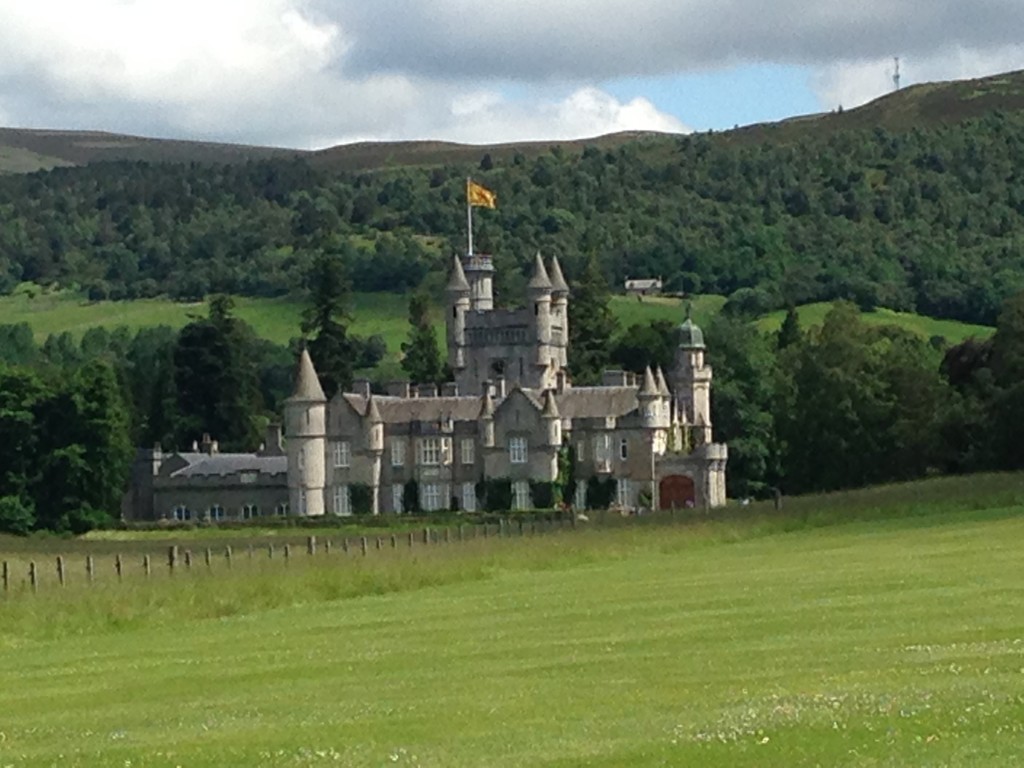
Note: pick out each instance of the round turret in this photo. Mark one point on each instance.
(690, 334)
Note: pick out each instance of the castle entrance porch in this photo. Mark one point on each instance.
(677, 492)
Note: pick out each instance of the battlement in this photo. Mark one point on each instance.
(478, 262)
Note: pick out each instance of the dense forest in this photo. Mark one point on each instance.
(927, 220)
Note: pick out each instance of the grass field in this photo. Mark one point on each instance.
(927, 327)
(894, 639)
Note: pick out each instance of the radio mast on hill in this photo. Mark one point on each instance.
(896, 73)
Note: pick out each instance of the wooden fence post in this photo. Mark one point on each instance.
(447, 535)
(146, 565)
(90, 568)
(311, 545)
(287, 552)
(327, 547)
(270, 551)
(411, 537)
(227, 554)
(118, 566)
(394, 541)
(426, 535)
(188, 559)
(209, 557)
(33, 578)
(462, 532)
(172, 558)
(60, 569)
(5, 571)
(362, 545)
(344, 545)
(380, 542)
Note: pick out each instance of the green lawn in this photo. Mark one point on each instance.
(892, 641)
(951, 330)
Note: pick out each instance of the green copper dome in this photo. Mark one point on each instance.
(690, 334)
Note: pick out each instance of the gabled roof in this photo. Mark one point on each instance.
(401, 410)
(307, 383)
(596, 402)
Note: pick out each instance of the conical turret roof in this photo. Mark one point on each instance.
(550, 406)
(540, 279)
(457, 282)
(307, 383)
(649, 388)
(557, 278)
(662, 384)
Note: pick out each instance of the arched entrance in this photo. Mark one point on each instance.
(677, 492)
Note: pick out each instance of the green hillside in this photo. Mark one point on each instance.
(278, 320)
(894, 642)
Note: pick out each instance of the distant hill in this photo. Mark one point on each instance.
(925, 105)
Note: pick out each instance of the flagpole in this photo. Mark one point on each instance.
(469, 219)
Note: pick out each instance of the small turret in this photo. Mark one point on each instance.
(487, 417)
(459, 304)
(691, 381)
(552, 419)
(559, 313)
(648, 398)
(374, 426)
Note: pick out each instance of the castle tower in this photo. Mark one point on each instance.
(552, 419)
(539, 292)
(478, 270)
(691, 380)
(459, 302)
(305, 416)
(559, 313)
(664, 400)
(486, 419)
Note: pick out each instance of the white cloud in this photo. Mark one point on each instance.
(305, 72)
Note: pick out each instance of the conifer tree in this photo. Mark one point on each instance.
(421, 357)
(325, 321)
(591, 325)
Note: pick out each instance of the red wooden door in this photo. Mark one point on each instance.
(677, 492)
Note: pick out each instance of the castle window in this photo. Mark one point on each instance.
(342, 500)
(397, 452)
(521, 495)
(302, 459)
(397, 498)
(249, 511)
(429, 451)
(517, 450)
(602, 448)
(469, 497)
(431, 497)
(467, 447)
(342, 454)
(215, 512)
(623, 449)
(580, 498)
(302, 501)
(248, 478)
(281, 510)
(181, 513)
(622, 493)
(581, 451)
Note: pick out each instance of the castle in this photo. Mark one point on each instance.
(504, 434)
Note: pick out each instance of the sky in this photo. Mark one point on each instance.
(314, 73)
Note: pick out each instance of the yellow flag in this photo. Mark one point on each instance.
(480, 196)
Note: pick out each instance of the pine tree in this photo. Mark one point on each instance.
(324, 323)
(789, 332)
(591, 325)
(421, 357)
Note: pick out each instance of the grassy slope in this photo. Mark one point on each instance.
(951, 330)
(891, 643)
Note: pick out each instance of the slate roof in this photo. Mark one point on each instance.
(540, 279)
(401, 410)
(596, 402)
(557, 278)
(222, 464)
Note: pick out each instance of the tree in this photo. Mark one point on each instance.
(642, 345)
(591, 325)
(789, 331)
(421, 358)
(215, 379)
(324, 323)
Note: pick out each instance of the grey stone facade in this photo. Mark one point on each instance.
(510, 412)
